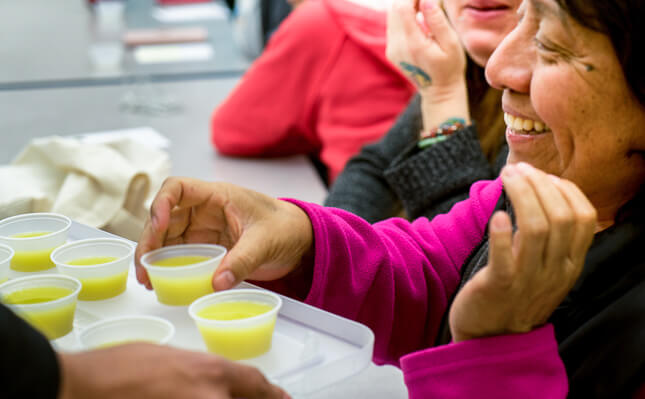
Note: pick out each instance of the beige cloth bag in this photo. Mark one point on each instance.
(107, 185)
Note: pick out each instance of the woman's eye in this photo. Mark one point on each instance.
(546, 53)
(541, 46)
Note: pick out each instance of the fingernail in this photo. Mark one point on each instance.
(509, 171)
(499, 224)
(225, 280)
(155, 223)
(429, 4)
(554, 178)
(523, 167)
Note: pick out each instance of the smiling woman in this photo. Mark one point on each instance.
(532, 287)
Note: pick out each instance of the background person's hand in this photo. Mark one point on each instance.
(529, 272)
(266, 238)
(429, 53)
(146, 371)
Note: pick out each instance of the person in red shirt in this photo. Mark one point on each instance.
(322, 87)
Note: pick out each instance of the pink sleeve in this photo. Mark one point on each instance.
(395, 276)
(267, 114)
(508, 366)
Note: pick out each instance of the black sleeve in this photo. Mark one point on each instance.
(29, 364)
(362, 188)
(430, 181)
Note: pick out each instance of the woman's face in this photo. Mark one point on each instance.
(482, 24)
(568, 108)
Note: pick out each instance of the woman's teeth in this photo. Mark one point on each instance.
(525, 126)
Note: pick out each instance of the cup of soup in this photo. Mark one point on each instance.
(179, 274)
(33, 237)
(6, 253)
(101, 264)
(46, 301)
(126, 329)
(237, 324)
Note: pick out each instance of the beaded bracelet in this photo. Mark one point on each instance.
(441, 132)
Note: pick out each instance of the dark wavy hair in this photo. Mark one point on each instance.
(622, 21)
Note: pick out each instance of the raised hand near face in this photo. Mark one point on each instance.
(424, 46)
(529, 272)
(426, 50)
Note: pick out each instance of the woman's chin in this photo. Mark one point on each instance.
(479, 47)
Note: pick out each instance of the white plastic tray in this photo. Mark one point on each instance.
(311, 348)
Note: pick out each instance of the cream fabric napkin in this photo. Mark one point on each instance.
(104, 185)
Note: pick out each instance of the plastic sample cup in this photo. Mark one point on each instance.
(6, 253)
(127, 329)
(33, 237)
(46, 301)
(237, 324)
(101, 264)
(182, 273)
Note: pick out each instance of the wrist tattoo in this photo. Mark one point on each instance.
(420, 78)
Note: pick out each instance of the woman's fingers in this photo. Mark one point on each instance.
(249, 253)
(559, 214)
(402, 22)
(533, 227)
(169, 216)
(586, 219)
(438, 26)
(500, 254)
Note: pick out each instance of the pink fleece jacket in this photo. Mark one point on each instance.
(397, 278)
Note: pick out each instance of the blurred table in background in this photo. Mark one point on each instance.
(28, 114)
(46, 43)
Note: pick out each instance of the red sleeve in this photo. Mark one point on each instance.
(269, 113)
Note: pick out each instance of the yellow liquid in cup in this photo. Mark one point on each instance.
(237, 342)
(32, 261)
(91, 261)
(31, 234)
(96, 289)
(181, 260)
(180, 291)
(53, 323)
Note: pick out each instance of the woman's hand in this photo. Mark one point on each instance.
(529, 272)
(429, 53)
(266, 238)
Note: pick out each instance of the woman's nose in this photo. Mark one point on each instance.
(511, 64)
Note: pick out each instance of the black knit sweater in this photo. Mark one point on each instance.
(393, 174)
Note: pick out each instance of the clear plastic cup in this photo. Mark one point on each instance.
(46, 301)
(101, 264)
(33, 237)
(183, 282)
(6, 253)
(126, 329)
(237, 324)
